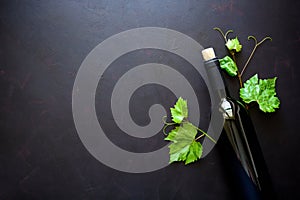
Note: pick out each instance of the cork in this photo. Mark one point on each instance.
(208, 54)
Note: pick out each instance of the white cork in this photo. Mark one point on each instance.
(208, 54)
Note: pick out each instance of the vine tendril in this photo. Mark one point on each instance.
(224, 35)
(254, 49)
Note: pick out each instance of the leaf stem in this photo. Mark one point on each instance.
(204, 133)
(253, 51)
(199, 137)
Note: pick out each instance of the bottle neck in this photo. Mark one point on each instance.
(215, 78)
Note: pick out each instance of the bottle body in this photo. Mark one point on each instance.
(249, 166)
(238, 134)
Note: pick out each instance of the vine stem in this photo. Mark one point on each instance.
(166, 124)
(231, 52)
(238, 72)
(164, 129)
(253, 51)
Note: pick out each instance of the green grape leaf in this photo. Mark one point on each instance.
(261, 91)
(180, 111)
(228, 65)
(234, 44)
(172, 134)
(250, 91)
(184, 146)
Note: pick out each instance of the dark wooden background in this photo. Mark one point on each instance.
(42, 44)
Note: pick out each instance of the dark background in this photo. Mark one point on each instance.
(42, 44)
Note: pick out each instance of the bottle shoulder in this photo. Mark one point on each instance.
(232, 108)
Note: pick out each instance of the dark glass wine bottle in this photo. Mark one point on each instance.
(241, 151)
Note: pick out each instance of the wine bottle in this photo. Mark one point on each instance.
(244, 157)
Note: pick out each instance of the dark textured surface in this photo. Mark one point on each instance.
(42, 44)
